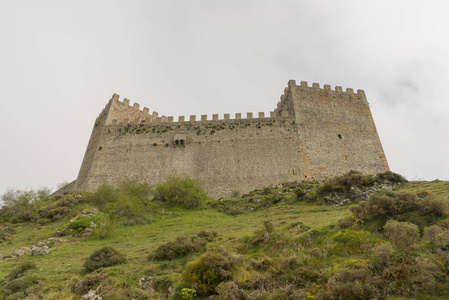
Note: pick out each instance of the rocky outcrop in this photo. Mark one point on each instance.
(21, 251)
(93, 294)
(40, 250)
(355, 194)
(146, 283)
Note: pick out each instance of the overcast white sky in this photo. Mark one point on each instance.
(61, 61)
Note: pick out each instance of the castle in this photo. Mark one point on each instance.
(313, 134)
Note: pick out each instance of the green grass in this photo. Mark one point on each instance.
(137, 241)
(65, 261)
(436, 187)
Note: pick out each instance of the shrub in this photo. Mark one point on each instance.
(208, 235)
(127, 202)
(327, 188)
(17, 282)
(188, 294)
(390, 177)
(344, 183)
(229, 291)
(432, 233)
(354, 178)
(350, 284)
(347, 222)
(359, 211)
(20, 285)
(180, 247)
(403, 234)
(180, 190)
(6, 233)
(20, 270)
(82, 222)
(205, 274)
(382, 255)
(104, 257)
(54, 212)
(434, 206)
(385, 203)
(437, 236)
(83, 285)
(299, 192)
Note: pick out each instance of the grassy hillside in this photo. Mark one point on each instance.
(293, 241)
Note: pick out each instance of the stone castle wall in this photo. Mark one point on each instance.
(312, 134)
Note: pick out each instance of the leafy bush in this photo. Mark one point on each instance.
(20, 270)
(205, 274)
(299, 192)
(229, 291)
(82, 222)
(188, 294)
(17, 281)
(434, 206)
(104, 257)
(6, 233)
(180, 190)
(180, 247)
(437, 237)
(387, 204)
(403, 234)
(390, 177)
(432, 233)
(90, 281)
(350, 284)
(382, 255)
(128, 202)
(208, 235)
(344, 183)
(20, 285)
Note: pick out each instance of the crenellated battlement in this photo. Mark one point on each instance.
(284, 108)
(194, 120)
(326, 87)
(145, 116)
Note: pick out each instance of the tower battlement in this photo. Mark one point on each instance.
(312, 134)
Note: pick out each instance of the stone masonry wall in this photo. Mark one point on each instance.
(225, 155)
(336, 131)
(312, 134)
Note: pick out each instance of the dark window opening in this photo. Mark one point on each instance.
(182, 142)
(177, 142)
(339, 136)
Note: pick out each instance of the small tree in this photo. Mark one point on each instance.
(13, 196)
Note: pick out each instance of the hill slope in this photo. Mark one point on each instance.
(293, 241)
